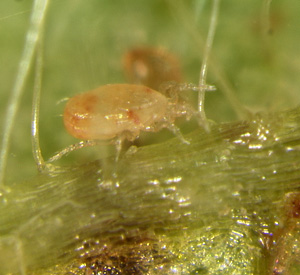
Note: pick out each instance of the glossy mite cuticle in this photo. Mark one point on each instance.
(119, 111)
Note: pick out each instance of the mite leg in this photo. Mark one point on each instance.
(172, 127)
(118, 143)
(73, 147)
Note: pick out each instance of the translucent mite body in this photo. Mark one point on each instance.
(118, 110)
(123, 110)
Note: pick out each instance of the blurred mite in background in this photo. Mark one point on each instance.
(151, 66)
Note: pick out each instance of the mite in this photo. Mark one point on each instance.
(151, 67)
(121, 111)
(114, 110)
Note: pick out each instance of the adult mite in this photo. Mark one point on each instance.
(121, 111)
